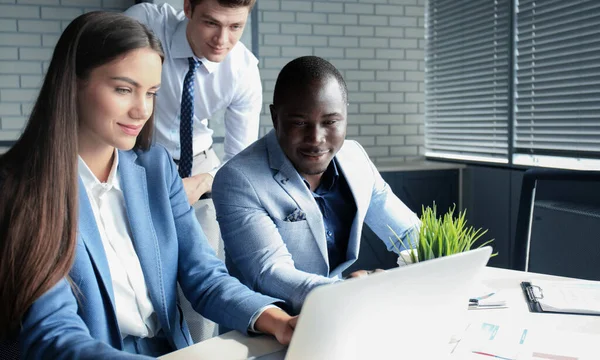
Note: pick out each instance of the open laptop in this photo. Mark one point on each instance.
(404, 313)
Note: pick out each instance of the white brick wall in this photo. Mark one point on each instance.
(376, 44)
(29, 30)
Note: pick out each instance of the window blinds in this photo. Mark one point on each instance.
(557, 86)
(467, 79)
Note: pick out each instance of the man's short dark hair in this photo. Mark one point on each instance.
(303, 71)
(228, 3)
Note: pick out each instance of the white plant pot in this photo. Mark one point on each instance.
(404, 257)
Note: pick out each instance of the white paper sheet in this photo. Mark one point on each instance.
(580, 297)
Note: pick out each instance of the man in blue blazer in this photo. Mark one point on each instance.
(291, 207)
(76, 319)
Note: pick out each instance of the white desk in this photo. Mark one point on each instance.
(234, 345)
(508, 281)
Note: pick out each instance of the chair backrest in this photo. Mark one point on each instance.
(558, 223)
(9, 350)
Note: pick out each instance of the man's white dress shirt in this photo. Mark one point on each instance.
(232, 85)
(135, 313)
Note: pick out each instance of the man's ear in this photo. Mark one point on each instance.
(273, 115)
(187, 9)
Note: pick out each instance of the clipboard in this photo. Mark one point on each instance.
(534, 296)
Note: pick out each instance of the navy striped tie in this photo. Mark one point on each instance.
(185, 124)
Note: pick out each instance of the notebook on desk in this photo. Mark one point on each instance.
(405, 313)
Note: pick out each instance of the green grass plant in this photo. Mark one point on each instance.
(440, 236)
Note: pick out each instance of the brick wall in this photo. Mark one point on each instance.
(378, 46)
(29, 29)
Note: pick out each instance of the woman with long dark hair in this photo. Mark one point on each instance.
(95, 226)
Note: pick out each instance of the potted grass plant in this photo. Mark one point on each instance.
(438, 236)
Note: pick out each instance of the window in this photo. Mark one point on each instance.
(527, 94)
(466, 79)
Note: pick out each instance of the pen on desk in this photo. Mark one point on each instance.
(476, 300)
(491, 355)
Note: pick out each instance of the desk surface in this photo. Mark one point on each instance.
(234, 345)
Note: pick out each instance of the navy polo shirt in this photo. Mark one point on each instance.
(338, 208)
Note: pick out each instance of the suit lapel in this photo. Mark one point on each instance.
(88, 230)
(134, 184)
(288, 178)
(361, 191)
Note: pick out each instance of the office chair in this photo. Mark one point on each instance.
(558, 224)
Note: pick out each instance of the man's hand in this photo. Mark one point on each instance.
(195, 186)
(363, 273)
(278, 323)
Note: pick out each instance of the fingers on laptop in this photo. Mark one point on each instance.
(363, 273)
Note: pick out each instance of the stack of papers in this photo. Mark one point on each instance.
(581, 297)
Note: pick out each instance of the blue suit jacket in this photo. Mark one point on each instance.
(81, 323)
(254, 193)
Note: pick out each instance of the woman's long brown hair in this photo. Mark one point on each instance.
(38, 175)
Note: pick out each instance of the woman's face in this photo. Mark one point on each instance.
(116, 100)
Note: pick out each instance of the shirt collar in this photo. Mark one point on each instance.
(329, 178)
(181, 49)
(91, 182)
